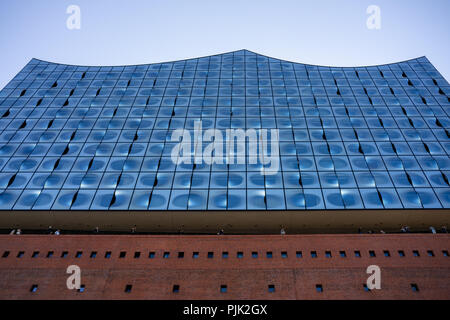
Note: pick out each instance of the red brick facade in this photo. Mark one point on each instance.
(292, 271)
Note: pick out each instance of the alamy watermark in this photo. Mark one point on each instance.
(227, 147)
(74, 20)
(373, 22)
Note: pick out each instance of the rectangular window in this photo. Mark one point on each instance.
(176, 288)
(386, 253)
(366, 288)
(319, 288)
(313, 254)
(298, 254)
(82, 287)
(357, 254)
(5, 254)
(20, 254)
(445, 253)
(195, 255)
(416, 253)
(210, 255)
(240, 254)
(271, 288)
(414, 287)
(372, 253)
(225, 254)
(151, 255)
(93, 254)
(254, 254)
(128, 288)
(430, 253)
(343, 254)
(180, 254)
(49, 254)
(284, 254)
(137, 254)
(401, 253)
(64, 254)
(269, 254)
(223, 288)
(166, 255)
(34, 288)
(35, 254)
(78, 254)
(328, 254)
(108, 254)
(122, 254)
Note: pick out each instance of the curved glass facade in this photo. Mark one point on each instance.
(99, 138)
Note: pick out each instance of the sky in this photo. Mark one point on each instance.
(321, 32)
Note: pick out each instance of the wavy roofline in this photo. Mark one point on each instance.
(233, 51)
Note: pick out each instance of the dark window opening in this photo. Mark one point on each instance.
(176, 288)
(20, 254)
(49, 254)
(166, 255)
(299, 254)
(240, 254)
(430, 253)
(223, 288)
(269, 254)
(366, 288)
(128, 288)
(108, 254)
(122, 254)
(319, 288)
(137, 255)
(34, 288)
(414, 287)
(181, 254)
(78, 254)
(35, 254)
(82, 287)
(416, 253)
(151, 255)
(372, 253)
(386, 253)
(254, 254)
(401, 253)
(284, 254)
(328, 254)
(5, 254)
(93, 254)
(313, 254)
(210, 255)
(225, 254)
(271, 288)
(445, 253)
(195, 255)
(342, 254)
(357, 254)
(64, 254)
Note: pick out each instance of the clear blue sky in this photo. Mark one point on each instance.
(324, 32)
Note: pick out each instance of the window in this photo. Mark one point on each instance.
(416, 253)
(35, 254)
(430, 253)
(49, 254)
(195, 255)
(82, 287)
(313, 254)
(284, 254)
(342, 254)
(401, 253)
(271, 288)
(298, 254)
(151, 255)
(64, 254)
(445, 253)
(108, 254)
(78, 254)
(386, 253)
(122, 254)
(414, 287)
(166, 255)
(20, 254)
(128, 288)
(180, 254)
(269, 254)
(372, 253)
(176, 288)
(254, 254)
(240, 254)
(357, 254)
(34, 288)
(366, 288)
(210, 255)
(93, 254)
(225, 254)
(319, 288)
(223, 288)
(328, 254)
(137, 255)
(5, 254)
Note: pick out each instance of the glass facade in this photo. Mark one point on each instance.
(99, 138)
